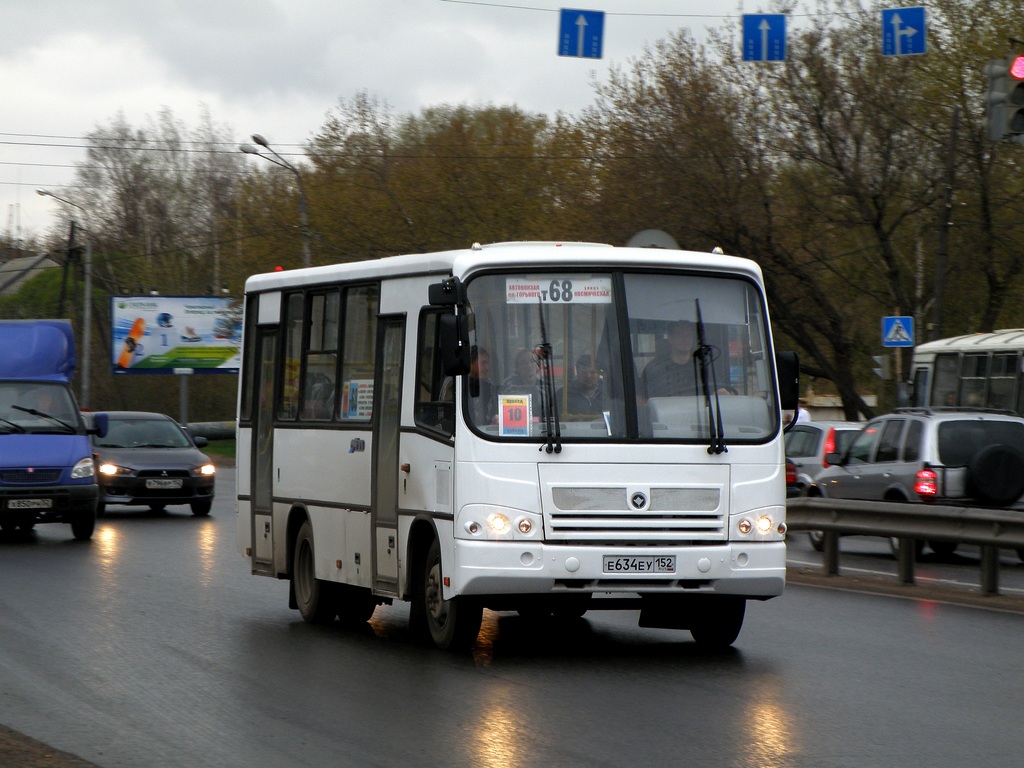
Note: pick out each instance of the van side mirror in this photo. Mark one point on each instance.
(100, 425)
(787, 367)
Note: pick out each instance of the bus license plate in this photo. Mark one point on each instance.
(640, 564)
(163, 484)
(30, 503)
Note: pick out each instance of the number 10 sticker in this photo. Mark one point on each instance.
(514, 415)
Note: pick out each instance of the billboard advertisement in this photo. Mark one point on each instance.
(175, 334)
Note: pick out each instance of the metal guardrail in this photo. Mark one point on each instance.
(990, 529)
(213, 430)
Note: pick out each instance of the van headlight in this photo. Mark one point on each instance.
(83, 469)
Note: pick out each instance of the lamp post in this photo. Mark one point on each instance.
(275, 158)
(86, 306)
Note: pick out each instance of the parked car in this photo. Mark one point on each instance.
(970, 457)
(792, 489)
(808, 442)
(150, 459)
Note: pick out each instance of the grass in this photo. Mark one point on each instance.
(220, 449)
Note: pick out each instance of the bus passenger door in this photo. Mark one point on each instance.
(388, 411)
(261, 503)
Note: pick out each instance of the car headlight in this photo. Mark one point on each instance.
(108, 469)
(205, 469)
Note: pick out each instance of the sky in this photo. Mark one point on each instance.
(278, 67)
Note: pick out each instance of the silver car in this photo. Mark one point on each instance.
(972, 457)
(808, 442)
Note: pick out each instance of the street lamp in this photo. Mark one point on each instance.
(87, 305)
(277, 159)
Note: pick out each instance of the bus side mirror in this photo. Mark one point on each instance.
(447, 293)
(787, 366)
(453, 338)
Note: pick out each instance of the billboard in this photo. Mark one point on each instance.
(175, 334)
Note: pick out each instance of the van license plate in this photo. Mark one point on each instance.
(640, 564)
(163, 484)
(30, 503)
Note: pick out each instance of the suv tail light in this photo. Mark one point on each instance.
(926, 484)
(830, 445)
(790, 472)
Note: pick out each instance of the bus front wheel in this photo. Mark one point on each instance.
(452, 624)
(315, 598)
(718, 623)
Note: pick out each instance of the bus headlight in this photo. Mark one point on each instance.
(766, 524)
(494, 523)
(498, 524)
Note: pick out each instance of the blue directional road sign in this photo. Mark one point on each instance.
(764, 37)
(898, 331)
(581, 33)
(903, 31)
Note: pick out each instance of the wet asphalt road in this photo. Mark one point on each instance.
(152, 646)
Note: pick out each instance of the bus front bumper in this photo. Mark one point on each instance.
(747, 569)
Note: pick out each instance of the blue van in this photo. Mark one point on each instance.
(46, 466)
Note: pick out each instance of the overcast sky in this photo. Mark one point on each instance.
(276, 67)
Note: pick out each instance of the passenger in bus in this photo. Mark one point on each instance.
(586, 392)
(524, 379)
(671, 372)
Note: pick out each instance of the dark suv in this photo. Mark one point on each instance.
(970, 457)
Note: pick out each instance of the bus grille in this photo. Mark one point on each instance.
(606, 514)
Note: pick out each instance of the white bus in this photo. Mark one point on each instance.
(387, 450)
(978, 369)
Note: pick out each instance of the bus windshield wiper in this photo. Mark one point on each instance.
(42, 415)
(548, 401)
(704, 356)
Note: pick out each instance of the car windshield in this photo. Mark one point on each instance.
(961, 440)
(34, 407)
(142, 433)
(613, 354)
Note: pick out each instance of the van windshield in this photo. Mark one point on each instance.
(34, 407)
(612, 354)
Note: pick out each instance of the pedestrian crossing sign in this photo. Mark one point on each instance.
(898, 331)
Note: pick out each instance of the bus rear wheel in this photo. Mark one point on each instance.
(316, 599)
(452, 624)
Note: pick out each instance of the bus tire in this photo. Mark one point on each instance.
(718, 624)
(453, 624)
(355, 604)
(315, 599)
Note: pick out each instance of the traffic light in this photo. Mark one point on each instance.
(1005, 98)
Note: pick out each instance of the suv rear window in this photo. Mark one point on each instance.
(960, 441)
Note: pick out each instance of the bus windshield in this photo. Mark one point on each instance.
(619, 356)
